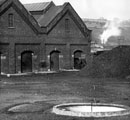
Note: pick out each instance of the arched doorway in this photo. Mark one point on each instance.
(26, 61)
(54, 60)
(79, 59)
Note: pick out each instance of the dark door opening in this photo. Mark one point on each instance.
(26, 61)
(54, 60)
(79, 62)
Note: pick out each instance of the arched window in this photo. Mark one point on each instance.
(10, 20)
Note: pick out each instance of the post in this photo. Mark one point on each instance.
(91, 107)
(48, 60)
(68, 57)
(12, 58)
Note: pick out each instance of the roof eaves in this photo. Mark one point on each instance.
(29, 17)
(48, 26)
(63, 11)
(48, 6)
(82, 25)
(2, 2)
(60, 10)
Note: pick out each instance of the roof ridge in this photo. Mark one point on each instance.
(37, 3)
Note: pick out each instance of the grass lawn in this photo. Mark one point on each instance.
(45, 91)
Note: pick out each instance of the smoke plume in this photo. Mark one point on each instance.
(111, 28)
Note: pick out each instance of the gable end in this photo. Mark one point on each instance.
(25, 15)
(68, 8)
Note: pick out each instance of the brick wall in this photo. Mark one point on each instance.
(70, 41)
(22, 37)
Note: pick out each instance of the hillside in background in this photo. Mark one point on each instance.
(113, 63)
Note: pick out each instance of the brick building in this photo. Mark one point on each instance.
(36, 33)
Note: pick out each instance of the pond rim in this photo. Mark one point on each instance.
(61, 110)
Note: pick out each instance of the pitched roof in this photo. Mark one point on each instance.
(2, 1)
(36, 6)
(38, 10)
(55, 13)
(45, 19)
(16, 4)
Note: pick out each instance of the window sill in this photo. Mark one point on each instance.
(11, 27)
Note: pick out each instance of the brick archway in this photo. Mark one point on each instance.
(54, 60)
(26, 61)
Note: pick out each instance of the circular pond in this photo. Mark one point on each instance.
(91, 109)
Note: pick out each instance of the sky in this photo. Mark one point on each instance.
(94, 9)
